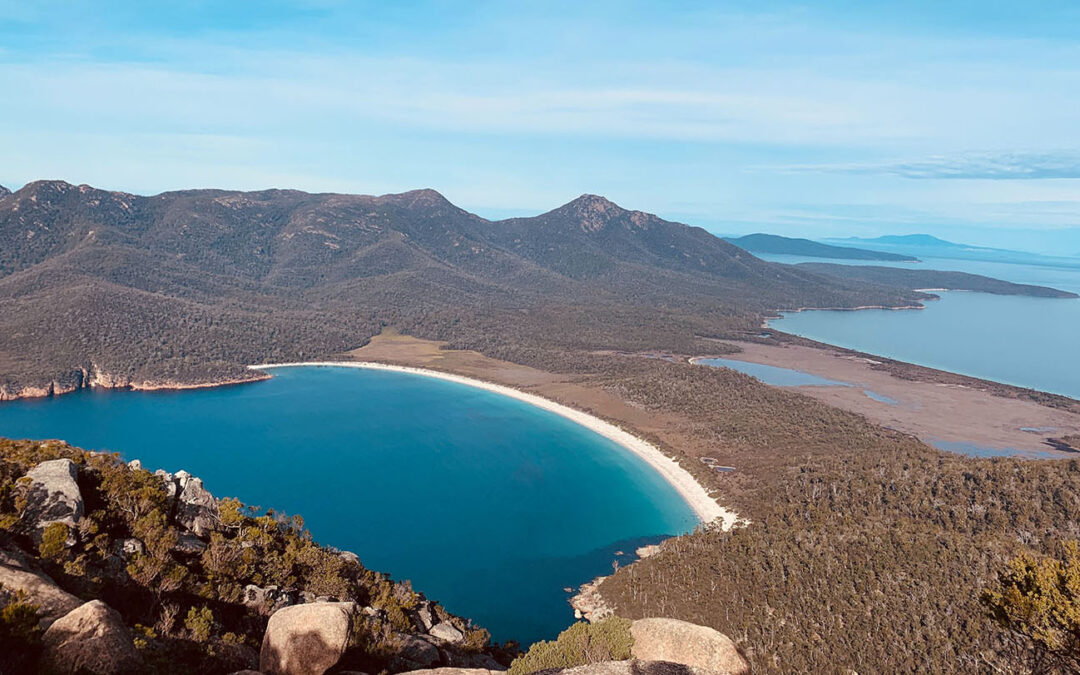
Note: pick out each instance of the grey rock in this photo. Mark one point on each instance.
(19, 572)
(634, 667)
(196, 508)
(417, 651)
(53, 496)
(306, 639)
(92, 638)
(698, 647)
(454, 671)
(126, 548)
(189, 544)
(270, 598)
(446, 632)
(423, 618)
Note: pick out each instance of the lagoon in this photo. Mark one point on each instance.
(488, 504)
(1018, 340)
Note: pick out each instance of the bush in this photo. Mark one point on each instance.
(53, 541)
(20, 636)
(1037, 599)
(578, 645)
(200, 622)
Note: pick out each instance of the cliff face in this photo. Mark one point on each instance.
(93, 378)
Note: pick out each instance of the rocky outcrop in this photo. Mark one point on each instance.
(416, 652)
(19, 572)
(588, 604)
(698, 647)
(634, 667)
(91, 639)
(189, 544)
(306, 639)
(196, 508)
(454, 671)
(446, 633)
(53, 496)
(271, 598)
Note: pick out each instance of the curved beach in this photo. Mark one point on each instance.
(704, 506)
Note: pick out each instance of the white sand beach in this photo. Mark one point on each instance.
(684, 483)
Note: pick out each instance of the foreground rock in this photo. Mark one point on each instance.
(306, 639)
(698, 647)
(416, 652)
(454, 671)
(18, 572)
(634, 667)
(53, 495)
(91, 639)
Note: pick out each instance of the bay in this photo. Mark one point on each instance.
(487, 504)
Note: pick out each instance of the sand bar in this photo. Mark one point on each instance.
(704, 506)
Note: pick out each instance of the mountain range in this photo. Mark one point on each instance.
(187, 287)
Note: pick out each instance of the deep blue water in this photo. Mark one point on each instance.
(1023, 341)
(486, 503)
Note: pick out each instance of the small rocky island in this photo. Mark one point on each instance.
(108, 568)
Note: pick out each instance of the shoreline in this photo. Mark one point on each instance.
(958, 409)
(54, 389)
(693, 493)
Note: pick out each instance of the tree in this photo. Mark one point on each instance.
(1037, 599)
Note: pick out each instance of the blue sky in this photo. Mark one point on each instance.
(812, 119)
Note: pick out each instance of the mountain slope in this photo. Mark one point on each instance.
(187, 287)
(771, 243)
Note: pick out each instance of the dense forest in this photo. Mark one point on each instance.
(866, 550)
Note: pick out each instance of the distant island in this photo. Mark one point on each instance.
(772, 243)
(926, 245)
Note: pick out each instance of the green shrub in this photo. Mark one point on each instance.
(578, 645)
(200, 621)
(20, 636)
(53, 541)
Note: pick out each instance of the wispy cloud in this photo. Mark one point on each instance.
(981, 166)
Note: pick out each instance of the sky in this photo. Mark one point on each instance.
(957, 118)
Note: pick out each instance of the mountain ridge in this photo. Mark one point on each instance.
(771, 243)
(189, 286)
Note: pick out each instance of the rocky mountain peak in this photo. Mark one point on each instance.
(594, 213)
(4, 192)
(45, 187)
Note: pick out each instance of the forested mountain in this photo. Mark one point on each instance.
(189, 286)
(771, 243)
(959, 281)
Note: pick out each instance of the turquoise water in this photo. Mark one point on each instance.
(1028, 342)
(486, 503)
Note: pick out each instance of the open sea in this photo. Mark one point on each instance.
(489, 505)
